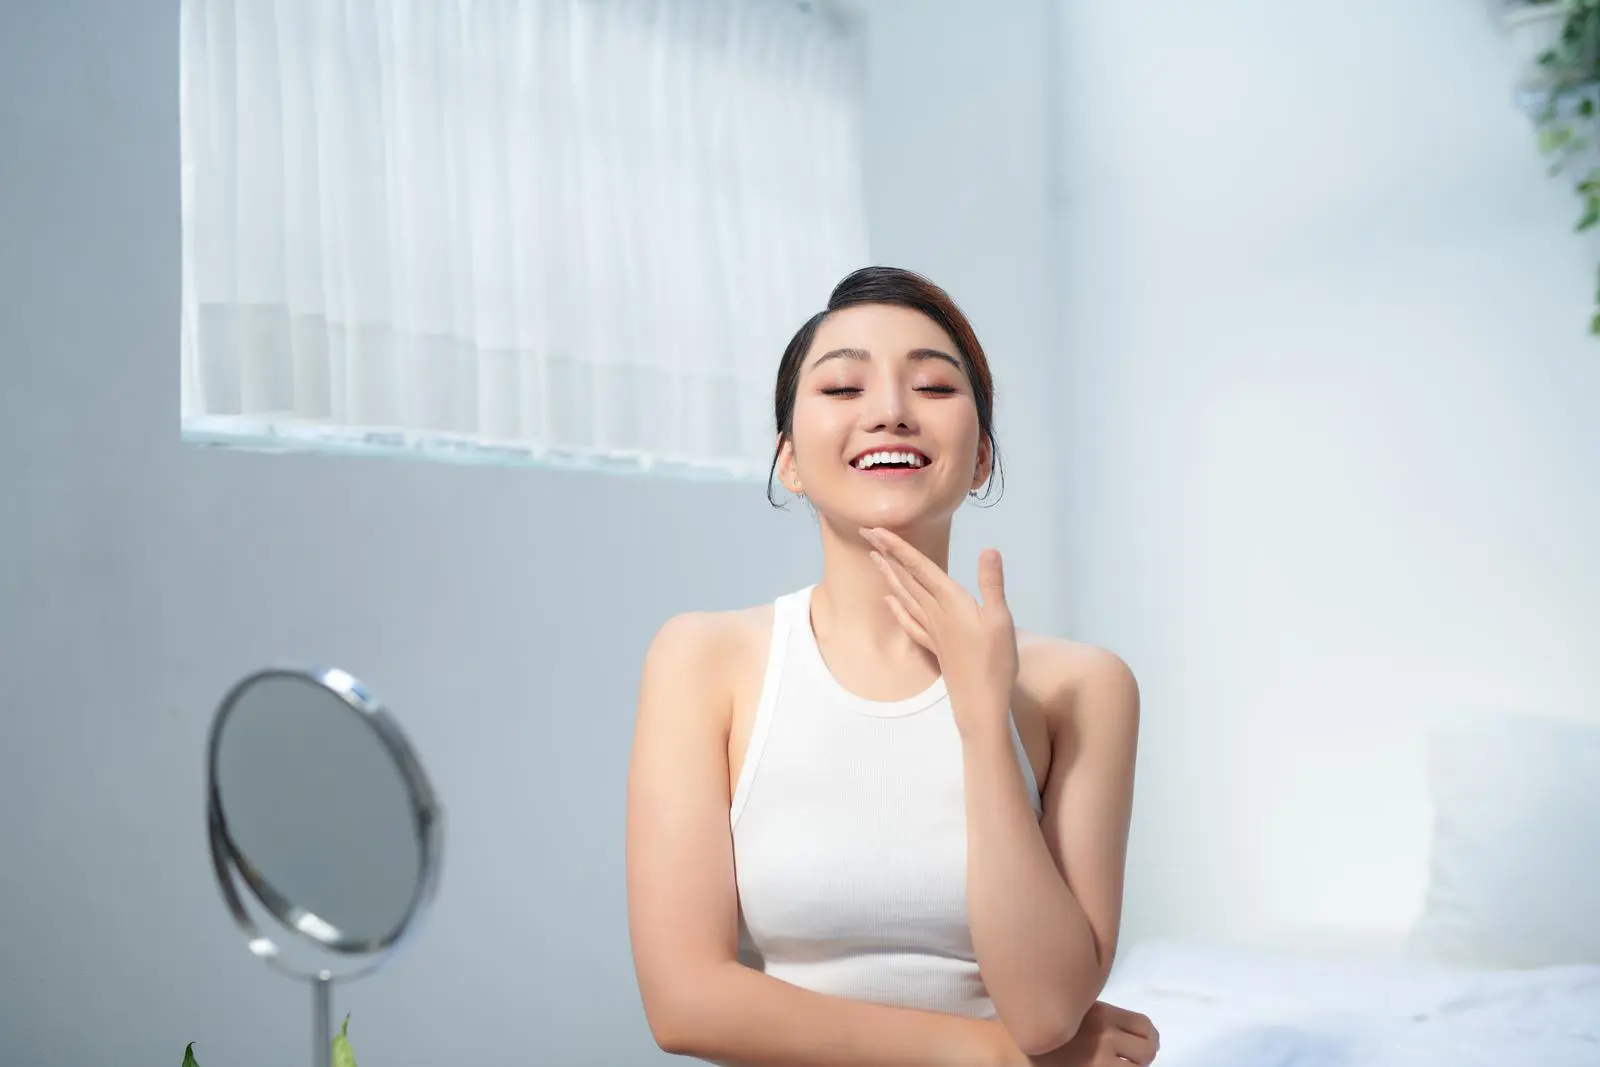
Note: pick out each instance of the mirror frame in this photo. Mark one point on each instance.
(227, 860)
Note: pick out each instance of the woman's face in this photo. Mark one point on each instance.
(885, 429)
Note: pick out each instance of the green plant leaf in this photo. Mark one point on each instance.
(188, 1056)
(343, 1055)
(1554, 139)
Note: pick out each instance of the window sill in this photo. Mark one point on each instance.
(261, 435)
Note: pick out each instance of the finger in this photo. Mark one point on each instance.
(1133, 1048)
(913, 597)
(908, 624)
(922, 570)
(1135, 1023)
(991, 579)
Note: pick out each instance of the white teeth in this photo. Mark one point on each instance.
(872, 459)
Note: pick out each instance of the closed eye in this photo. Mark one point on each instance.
(940, 390)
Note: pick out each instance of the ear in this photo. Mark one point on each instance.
(985, 463)
(788, 473)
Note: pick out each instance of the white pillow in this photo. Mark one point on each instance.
(1514, 870)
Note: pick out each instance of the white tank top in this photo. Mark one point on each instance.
(850, 837)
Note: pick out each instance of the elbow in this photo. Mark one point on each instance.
(673, 1045)
(1057, 1017)
(668, 1039)
(671, 1028)
(677, 1021)
(1055, 1024)
(1048, 1034)
(673, 1042)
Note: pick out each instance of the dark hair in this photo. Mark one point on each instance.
(902, 288)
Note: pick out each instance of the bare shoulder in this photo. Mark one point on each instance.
(1066, 680)
(690, 639)
(707, 653)
(702, 636)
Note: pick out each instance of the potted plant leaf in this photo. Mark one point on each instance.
(1534, 30)
(1564, 99)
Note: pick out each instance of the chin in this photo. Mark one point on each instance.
(903, 514)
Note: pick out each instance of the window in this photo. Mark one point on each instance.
(567, 231)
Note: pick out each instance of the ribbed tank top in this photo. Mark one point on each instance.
(850, 836)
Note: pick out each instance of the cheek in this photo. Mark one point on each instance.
(960, 429)
(819, 429)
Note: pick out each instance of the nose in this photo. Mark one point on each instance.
(891, 412)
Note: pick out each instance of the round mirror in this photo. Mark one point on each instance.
(321, 822)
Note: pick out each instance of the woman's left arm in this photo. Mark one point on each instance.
(1044, 897)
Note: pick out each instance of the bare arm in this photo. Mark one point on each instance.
(1045, 898)
(683, 903)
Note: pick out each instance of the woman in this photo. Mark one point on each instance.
(850, 810)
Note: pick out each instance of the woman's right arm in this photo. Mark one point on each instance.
(683, 905)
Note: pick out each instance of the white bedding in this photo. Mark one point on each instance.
(1218, 1007)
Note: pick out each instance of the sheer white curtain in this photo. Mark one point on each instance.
(561, 229)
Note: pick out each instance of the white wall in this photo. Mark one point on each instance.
(140, 578)
(1329, 439)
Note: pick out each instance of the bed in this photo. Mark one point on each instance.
(1218, 1007)
(1502, 967)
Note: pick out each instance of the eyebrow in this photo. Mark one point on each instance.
(862, 355)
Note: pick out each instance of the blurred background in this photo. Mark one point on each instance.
(1289, 327)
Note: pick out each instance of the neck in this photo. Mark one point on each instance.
(848, 603)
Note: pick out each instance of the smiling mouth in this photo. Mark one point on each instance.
(890, 461)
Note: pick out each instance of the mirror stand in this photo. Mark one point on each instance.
(322, 1019)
